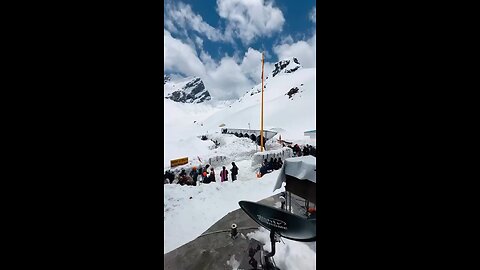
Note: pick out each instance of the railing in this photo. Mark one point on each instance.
(267, 133)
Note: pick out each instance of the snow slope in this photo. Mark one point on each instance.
(180, 131)
(294, 115)
(291, 116)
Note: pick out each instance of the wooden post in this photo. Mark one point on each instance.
(261, 126)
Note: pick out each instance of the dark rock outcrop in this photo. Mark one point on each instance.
(292, 92)
(281, 66)
(193, 92)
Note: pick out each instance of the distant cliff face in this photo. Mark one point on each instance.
(189, 90)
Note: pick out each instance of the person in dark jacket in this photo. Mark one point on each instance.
(280, 163)
(212, 175)
(170, 176)
(194, 175)
(182, 177)
(263, 170)
(270, 165)
(305, 150)
(205, 174)
(275, 164)
(206, 179)
(296, 149)
(165, 178)
(234, 171)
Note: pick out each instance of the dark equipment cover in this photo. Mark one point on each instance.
(285, 224)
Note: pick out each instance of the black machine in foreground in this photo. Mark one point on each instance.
(280, 223)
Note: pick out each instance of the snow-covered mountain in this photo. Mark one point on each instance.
(186, 90)
(289, 107)
(289, 102)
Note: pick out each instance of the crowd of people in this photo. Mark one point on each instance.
(206, 174)
(201, 174)
(304, 151)
(270, 166)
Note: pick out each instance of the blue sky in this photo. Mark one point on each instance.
(221, 41)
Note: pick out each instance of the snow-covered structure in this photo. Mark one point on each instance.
(300, 175)
(283, 153)
(311, 133)
(249, 132)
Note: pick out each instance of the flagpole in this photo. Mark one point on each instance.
(261, 120)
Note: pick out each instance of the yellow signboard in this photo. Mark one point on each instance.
(178, 161)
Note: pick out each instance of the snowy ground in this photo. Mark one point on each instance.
(289, 254)
(185, 219)
(191, 210)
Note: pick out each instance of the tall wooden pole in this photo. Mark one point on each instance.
(261, 121)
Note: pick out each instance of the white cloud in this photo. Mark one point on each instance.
(199, 42)
(313, 15)
(179, 57)
(227, 80)
(224, 80)
(183, 17)
(286, 40)
(230, 77)
(247, 19)
(207, 60)
(251, 65)
(170, 25)
(304, 51)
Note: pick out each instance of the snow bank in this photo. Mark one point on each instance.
(292, 255)
(185, 219)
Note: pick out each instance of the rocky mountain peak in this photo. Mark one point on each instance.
(186, 90)
(286, 66)
(166, 78)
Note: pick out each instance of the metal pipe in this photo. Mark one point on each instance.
(233, 232)
(272, 240)
(290, 201)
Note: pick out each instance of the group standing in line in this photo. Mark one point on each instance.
(203, 175)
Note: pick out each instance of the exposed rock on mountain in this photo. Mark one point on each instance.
(286, 66)
(292, 92)
(187, 90)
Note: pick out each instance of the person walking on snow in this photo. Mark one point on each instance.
(212, 175)
(224, 175)
(234, 171)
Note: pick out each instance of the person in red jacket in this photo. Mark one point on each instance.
(224, 174)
